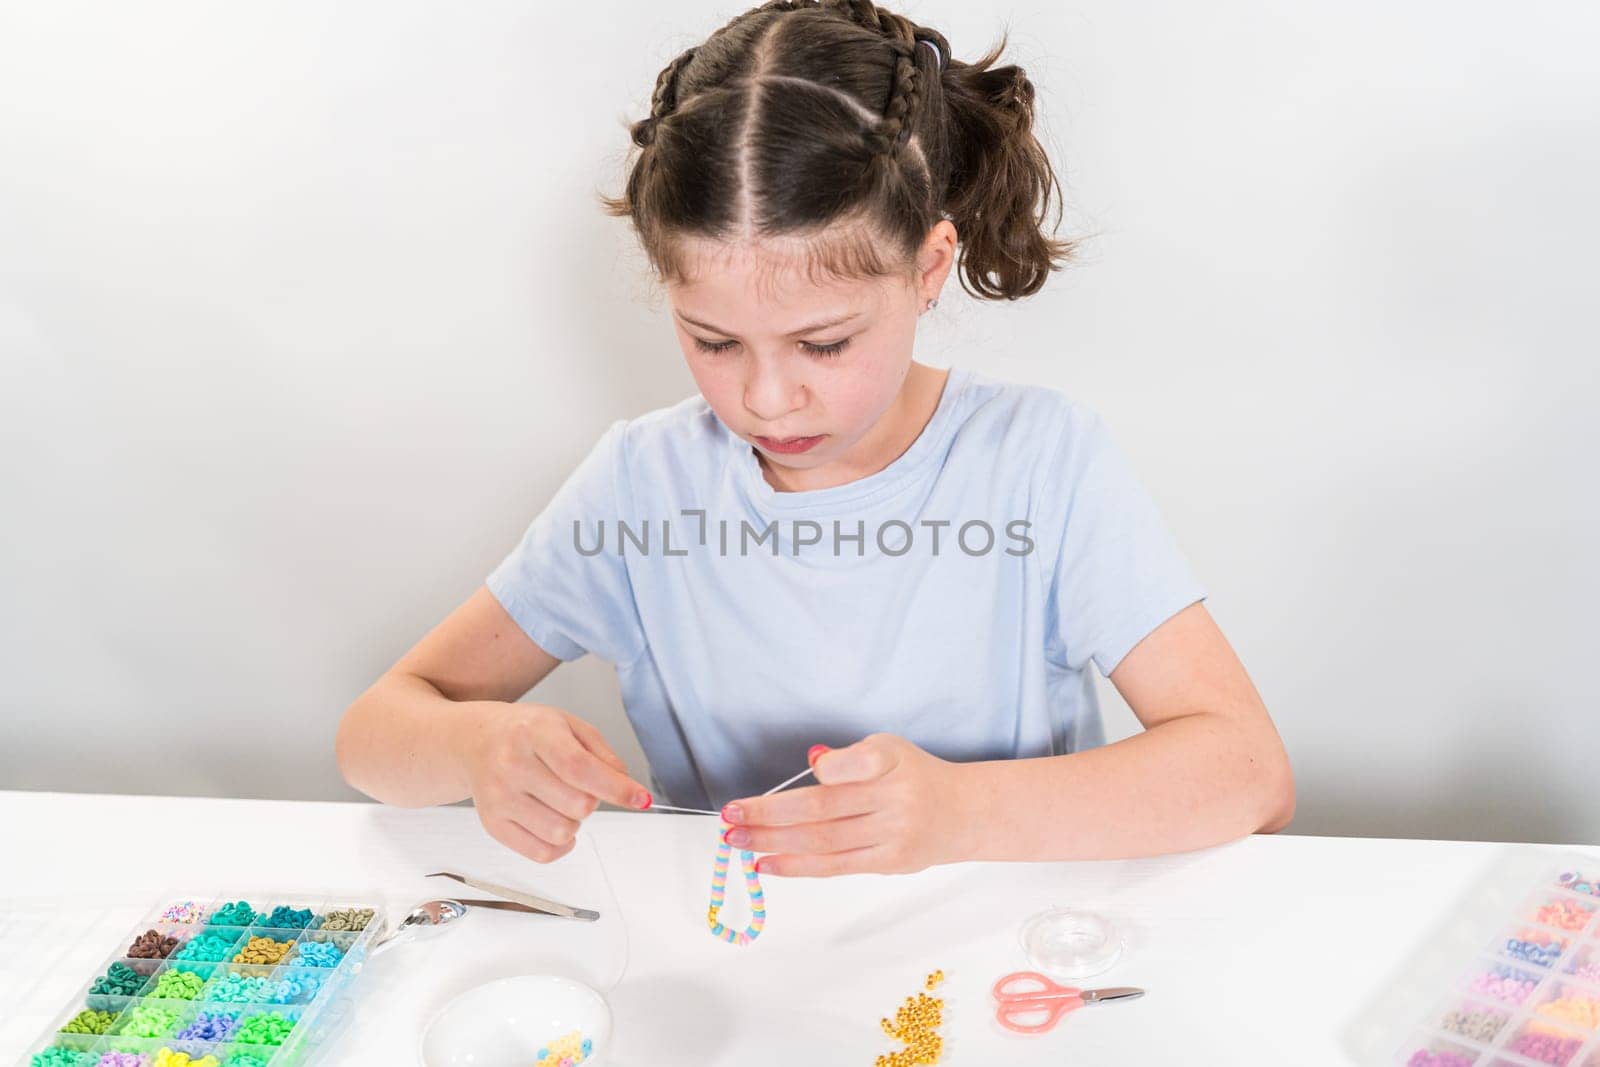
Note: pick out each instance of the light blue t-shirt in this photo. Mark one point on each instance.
(956, 598)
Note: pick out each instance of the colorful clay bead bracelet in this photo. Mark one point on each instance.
(752, 881)
(719, 887)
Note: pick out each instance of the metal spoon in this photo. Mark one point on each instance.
(429, 915)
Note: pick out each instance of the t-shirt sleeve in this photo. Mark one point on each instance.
(566, 595)
(1118, 574)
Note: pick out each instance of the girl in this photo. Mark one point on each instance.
(833, 544)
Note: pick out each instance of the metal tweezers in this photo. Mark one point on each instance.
(516, 900)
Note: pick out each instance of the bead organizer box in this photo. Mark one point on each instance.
(237, 981)
(1529, 993)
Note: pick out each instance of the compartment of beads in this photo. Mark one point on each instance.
(242, 980)
(1426, 1049)
(213, 944)
(1576, 880)
(266, 947)
(1533, 945)
(1502, 981)
(1480, 1021)
(1544, 1042)
(345, 917)
(1574, 1004)
(1584, 963)
(159, 941)
(1569, 913)
(1530, 995)
(286, 913)
(178, 980)
(250, 984)
(322, 948)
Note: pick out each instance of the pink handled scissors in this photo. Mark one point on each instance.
(1027, 993)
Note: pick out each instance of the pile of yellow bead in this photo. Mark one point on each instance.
(916, 1025)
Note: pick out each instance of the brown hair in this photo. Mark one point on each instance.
(797, 118)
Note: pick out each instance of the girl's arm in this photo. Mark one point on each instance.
(1209, 768)
(442, 724)
(402, 741)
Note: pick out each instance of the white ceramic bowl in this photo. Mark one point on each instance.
(506, 1022)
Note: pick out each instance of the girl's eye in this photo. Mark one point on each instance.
(826, 351)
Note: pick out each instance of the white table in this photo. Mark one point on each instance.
(1265, 950)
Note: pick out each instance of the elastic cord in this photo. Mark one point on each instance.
(615, 909)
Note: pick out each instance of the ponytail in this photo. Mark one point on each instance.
(1001, 182)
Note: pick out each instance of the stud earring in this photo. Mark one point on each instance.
(932, 303)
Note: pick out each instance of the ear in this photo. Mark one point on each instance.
(934, 260)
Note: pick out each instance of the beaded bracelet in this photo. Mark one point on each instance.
(719, 885)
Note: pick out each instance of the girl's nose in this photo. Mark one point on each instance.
(769, 395)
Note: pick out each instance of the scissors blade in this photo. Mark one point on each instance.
(1095, 996)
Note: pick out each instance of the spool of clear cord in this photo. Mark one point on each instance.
(1069, 943)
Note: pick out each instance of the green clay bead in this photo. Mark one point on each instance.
(267, 1029)
(208, 947)
(238, 913)
(63, 1057)
(120, 980)
(177, 985)
(149, 1020)
(90, 1022)
(347, 919)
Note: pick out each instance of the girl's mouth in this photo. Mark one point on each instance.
(789, 445)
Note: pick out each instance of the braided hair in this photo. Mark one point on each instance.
(850, 124)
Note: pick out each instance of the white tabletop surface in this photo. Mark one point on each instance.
(1266, 950)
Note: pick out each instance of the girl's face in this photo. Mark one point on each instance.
(813, 374)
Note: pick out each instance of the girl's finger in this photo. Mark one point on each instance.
(870, 758)
(580, 768)
(826, 865)
(520, 841)
(542, 821)
(595, 742)
(545, 785)
(838, 835)
(808, 804)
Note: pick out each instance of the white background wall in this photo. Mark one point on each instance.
(306, 309)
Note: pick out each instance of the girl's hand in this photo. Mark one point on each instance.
(884, 806)
(536, 772)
